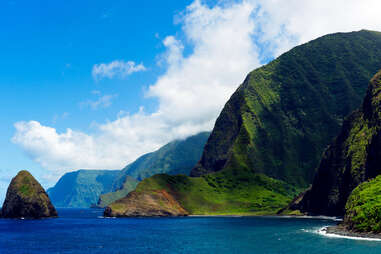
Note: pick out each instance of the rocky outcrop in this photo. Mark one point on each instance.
(354, 157)
(146, 204)
(27, 199)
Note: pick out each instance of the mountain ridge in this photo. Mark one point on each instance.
(269, 137)
(81, 188)
(285, 113)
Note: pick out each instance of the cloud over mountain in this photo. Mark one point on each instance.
(224, 43)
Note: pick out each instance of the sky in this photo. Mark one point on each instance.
(95, 84)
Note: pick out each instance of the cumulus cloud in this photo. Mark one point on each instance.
(227, 41)
(284, 24)
(116, 69)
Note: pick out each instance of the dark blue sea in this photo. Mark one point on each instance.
(85, 231)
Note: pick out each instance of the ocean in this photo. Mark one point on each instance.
(85, 231)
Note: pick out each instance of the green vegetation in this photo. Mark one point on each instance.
(176, 157)
(223, 193)
(25, 190)
(351, 159)
(85, 188)
(25, 184)
(285, 113)
(25, 187)
(363, 208)
(268, 140)
(128, 186)
(82, 188)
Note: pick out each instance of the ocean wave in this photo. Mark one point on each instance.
(323, 231)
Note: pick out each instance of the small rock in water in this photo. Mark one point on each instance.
(27, 199)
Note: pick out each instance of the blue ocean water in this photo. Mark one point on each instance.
(85, 231)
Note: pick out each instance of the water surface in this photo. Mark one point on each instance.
(84, 231)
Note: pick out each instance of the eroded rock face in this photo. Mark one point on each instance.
(27, 199)
(146, 204)
(354, 157)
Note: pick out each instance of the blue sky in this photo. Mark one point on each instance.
(48, 49)
(58, 114)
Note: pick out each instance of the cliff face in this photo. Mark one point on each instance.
(284, 114)
(27, 199)
(351, 159)
(82, 188)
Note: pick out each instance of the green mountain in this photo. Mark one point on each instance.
(82, 188)
(351, 159)
(269, 138)
(282, 117)
(176, 157)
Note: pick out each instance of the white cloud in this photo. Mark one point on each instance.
(103, 101)
(227, 41)
(116, 69)
(286, 23)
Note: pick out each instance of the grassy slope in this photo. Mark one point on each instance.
(128, 186)
(363, 208)
(177, 157)
(283, 116)
(223, 193)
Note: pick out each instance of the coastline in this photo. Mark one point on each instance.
(341, 232)
(270, 216)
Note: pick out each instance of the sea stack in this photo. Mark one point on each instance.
(27, 199)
